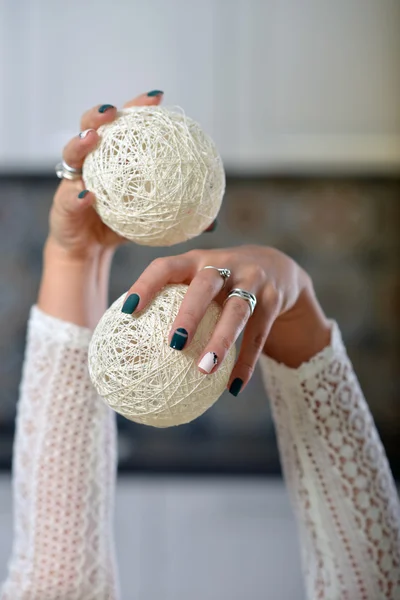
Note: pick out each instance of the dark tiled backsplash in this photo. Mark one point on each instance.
(344, 232)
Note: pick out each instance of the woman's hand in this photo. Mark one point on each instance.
(75, 227)
(79, 249)
(288, 323)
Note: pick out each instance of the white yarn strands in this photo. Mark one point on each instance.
(138, 375)
(157, 177)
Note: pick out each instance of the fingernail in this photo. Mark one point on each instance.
(155, 93)
(236, 386)
(105, 107)
(208, 362)
(83, 134)
(212, 227)
(83, 193)
(179, 339)
(130, 304)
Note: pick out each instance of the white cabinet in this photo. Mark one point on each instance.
(301, 85)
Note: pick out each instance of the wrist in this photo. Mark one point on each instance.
(300, 333)
(55, 252)
(98, 258)
(74, 286)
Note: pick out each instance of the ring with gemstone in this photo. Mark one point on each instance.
(64, 171)
(225, 273)
(244, 295)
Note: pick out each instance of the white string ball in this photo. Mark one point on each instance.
(137, 374)
(157, 177)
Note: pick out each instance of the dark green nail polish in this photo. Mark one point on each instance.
(155, 93)
(105, 107)
(130, 304)
(179, 339)
(83, 193)
(212, 227)
(236, 386)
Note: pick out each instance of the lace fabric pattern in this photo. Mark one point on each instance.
(338, 476)
(335, 467)
(63, 473)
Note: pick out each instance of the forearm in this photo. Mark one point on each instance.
(65, 447)
(338, 476)
(75, 288)
(63, 472)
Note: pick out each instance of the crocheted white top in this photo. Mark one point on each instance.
(335, 467)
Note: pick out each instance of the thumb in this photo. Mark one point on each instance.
(73, 198)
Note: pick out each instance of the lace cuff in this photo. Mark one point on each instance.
(308, 370)
(63, 332)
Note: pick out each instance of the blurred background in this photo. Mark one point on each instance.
(303, 102)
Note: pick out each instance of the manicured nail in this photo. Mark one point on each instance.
(179, 339)
(212, 227)
(83, 193)
(83, 134)
(208, 362)
(105, 107)
(130, 304)
(155, 93)
(236, 386)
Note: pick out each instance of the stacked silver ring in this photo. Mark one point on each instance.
(64, 171)
(244, 295)
(225, 273)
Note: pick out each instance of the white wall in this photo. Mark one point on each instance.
(281, 85)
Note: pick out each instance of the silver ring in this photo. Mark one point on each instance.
(225, 273)
(247, 296)
(64, 171)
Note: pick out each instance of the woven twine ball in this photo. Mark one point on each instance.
(157, 177)
(138, 375)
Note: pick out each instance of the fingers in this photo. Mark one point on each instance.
(254, 338)
(77, 149)
(105, 113)
(72, 198)
(233, 319)
(205, 286)
(152, 98)
(99, 115)
(161, 272)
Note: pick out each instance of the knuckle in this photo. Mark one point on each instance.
(256, 273)
(245, 368)
(240, 309)
(208, 288)
(159, 263)
(271, 296)
(188, 318)
(141, 286)
(258, 343)
(225, 343)
(206, 283)
(195, 255)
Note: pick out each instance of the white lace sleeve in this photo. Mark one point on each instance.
(338, 476)
(64, 473)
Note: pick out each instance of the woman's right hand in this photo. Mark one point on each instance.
(76, 229)
(79, 249)
(288, 323)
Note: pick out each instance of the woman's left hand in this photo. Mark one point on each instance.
(288, 323)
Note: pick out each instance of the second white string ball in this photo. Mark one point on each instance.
(137, 374)
(157, 177)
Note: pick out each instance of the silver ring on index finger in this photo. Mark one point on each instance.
(225, 273)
